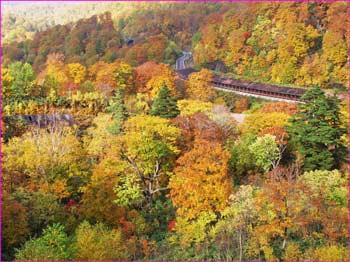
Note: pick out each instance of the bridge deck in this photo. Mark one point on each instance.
(244, 87)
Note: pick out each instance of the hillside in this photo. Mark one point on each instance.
(283, 43)
(109, 153)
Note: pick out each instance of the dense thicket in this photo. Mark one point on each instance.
(154, 167)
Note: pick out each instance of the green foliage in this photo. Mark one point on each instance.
(317, 129)
(331, 183)
(241, 158)
(128, 191)
(13, 126)
(233, 229)
(265, 151)
(118, 110)
(164, 105)
(146, 152)
(23, 80)
(53, 244)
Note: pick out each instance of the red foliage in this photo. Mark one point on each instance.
(171, 225)
(246, 35)
(71, 204)
(127, 226)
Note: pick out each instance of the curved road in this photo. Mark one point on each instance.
(180, 62)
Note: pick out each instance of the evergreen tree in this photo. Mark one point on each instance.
(164, 105)
(317, 130)
(118, 110)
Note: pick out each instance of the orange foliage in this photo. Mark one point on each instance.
(199, 126)
(149, 70)
(201, 181)
(280, 107)
(277, 131)
(241, 105)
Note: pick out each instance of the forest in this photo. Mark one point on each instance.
(152, 166)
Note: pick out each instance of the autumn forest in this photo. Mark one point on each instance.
(108, 153)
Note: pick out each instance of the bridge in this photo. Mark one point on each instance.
(248, 88)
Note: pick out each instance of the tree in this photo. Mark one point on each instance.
(157, 83)
(77, 72)
(157, 72)
(242, 160)
(332, 253)
(327, 203)
(22, 76)
(278, 208)
(164, 105)
(200, 182)
(232, 232)
(279, 107)
(7, 81)
(112, 76)
(96, 204)
(190, 107)
(256, 122)
(199, 85)
(47, 160)
(98, 138)
(99, 243)
(196, 126)
(222, 116)
(54, 244)
(266, 152)
(192, 232)
(241, 105)
(145, 153)
(317, 130)
(54, 78)
(118, 110)
(15, 228)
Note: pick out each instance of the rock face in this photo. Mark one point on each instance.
(217, 66)
(45, 120)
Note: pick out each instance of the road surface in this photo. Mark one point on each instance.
(180, 62)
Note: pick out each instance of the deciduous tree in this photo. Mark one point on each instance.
(199, 85)
(200, 183)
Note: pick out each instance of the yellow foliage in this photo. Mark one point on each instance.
(256, 122)
(152, 126)
(331, 253)
(334, 48)
(157, 82)
(99, 243)
(292, 252)
(199, 86)
(190, 107)
(189, 232)
(39, 152)
(77, 72)
(98, 139)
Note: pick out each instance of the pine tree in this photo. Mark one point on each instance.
(317, 130)
(164, 105)
(117, 109)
